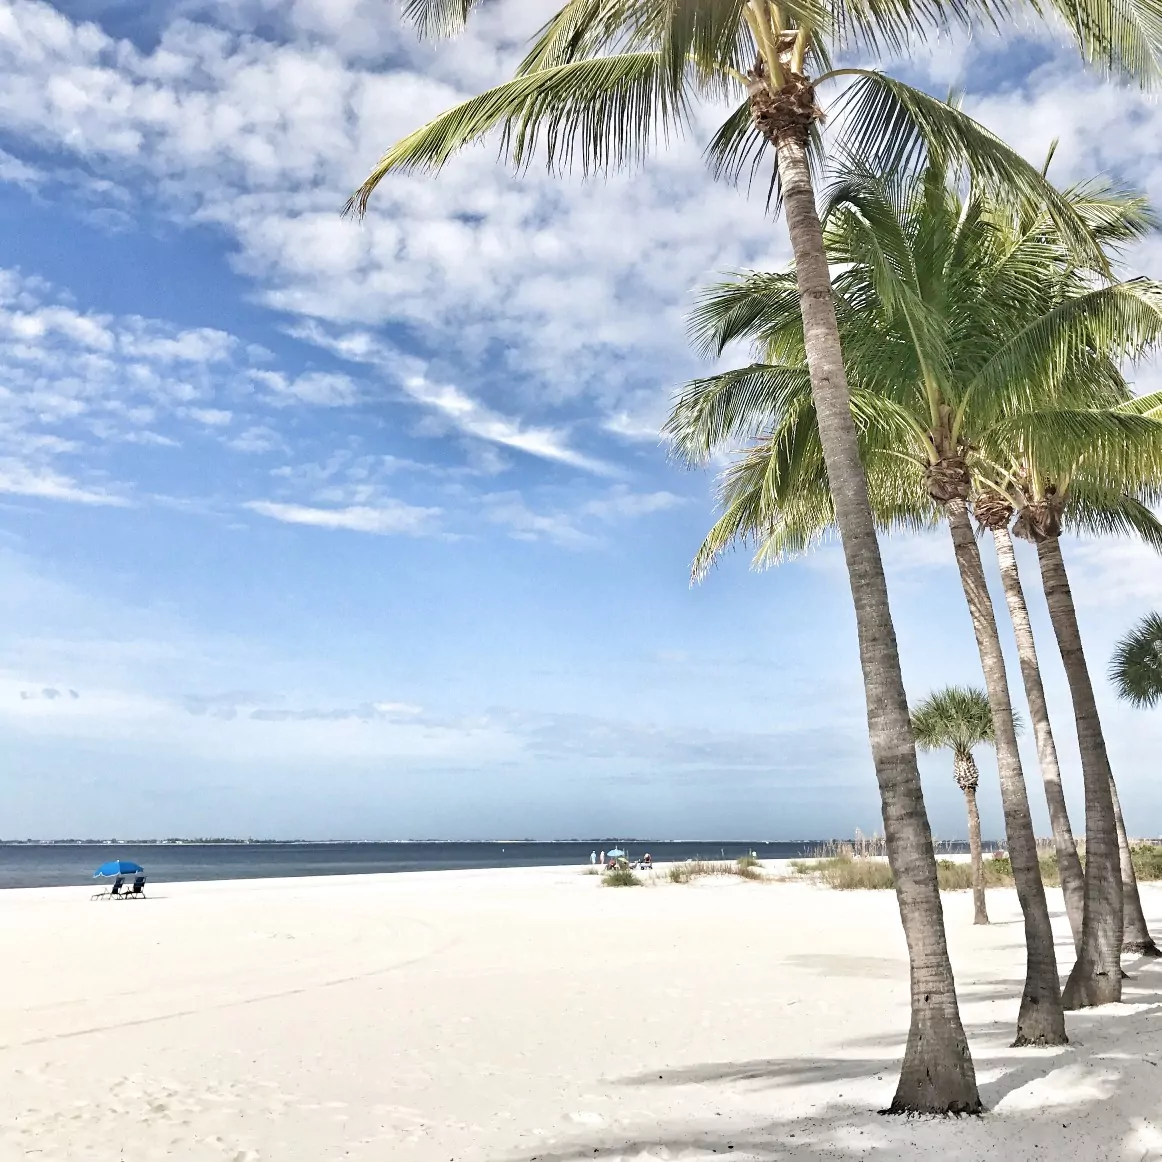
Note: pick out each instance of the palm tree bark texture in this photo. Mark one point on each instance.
(1068, 864)
(1096, 977)
(937, 1073)
(1041, 1020)
(1136, 938)
(968, 779)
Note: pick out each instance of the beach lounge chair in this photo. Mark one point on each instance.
(137, 892)
(109, 893)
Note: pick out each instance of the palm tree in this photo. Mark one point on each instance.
(994, 512)
(604, 79)
(957, 329)
(1136, 668)
(959, 718)
(1136, 671)
(1042, 499)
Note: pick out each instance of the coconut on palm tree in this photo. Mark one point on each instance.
(961, 332)
(958, 718)
(1136, 667)
(604, 80)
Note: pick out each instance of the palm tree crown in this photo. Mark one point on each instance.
(956, 717)
(1136, 669)
(975, 347)
(605, 79)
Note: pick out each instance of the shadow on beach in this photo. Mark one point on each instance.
(1092, 1101)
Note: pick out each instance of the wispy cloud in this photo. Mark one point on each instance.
(386, 518)
(18, 479)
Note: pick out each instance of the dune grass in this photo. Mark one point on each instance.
(621, 877)
(746, 867)
(848, 871)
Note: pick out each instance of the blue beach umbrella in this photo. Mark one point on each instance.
(118, 867)
(616, 853)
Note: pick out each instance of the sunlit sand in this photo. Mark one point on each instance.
(531, 1014)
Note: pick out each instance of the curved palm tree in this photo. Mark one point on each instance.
(960, 321)
(1136, 667)
(606, 78)
(1091, 494)
(959, 718)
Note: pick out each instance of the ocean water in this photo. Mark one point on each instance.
(54, 865)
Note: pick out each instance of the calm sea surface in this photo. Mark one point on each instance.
(37, 865)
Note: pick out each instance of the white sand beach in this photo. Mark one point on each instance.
(532, 1014)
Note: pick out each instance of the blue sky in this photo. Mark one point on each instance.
(310, 528)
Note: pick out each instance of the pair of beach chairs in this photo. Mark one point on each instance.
(136, 892)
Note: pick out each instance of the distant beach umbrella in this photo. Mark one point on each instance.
(616, 853)
(118, 867)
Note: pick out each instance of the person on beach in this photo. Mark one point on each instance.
(593, 859)
(603, 859)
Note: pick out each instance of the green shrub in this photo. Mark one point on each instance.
(1147, 859)
(620, 877)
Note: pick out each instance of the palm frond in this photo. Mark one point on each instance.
(734, 406)
(1119, 37)
(1056, 349)
(434, 19)
(737, 148)
(1104, 512)
(956, 717)
(603, 113)
(895, 128)
(1136, 667)
(1112, 449)
(762, 307)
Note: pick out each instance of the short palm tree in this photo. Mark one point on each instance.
(1136, 668)
(603, 81)
(958, 330)
(959, 718)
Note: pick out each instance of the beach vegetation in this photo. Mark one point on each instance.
(746, 867)
(621, 877)
(849, 872)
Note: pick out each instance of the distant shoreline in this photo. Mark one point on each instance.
(635, 841)
(44, 863)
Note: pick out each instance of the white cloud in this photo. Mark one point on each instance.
(19, 173)
(620, 502)
(212, 417)
(474, 419)
(387, 517)
(1111, 573)
(20, 480)
(510, 510)
(528, 282)
(324, 389)
(256, 439)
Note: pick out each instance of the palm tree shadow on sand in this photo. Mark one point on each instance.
(1093, 1099)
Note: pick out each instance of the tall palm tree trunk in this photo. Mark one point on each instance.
(1136, 936)
(937, 1074)
(1096, 978)
(1041, 1020)
(968, 777)
(1068, 863)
